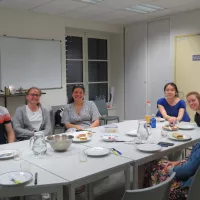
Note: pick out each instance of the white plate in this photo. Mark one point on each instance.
(132, 133)
(22, 177)
(97, 151)
(109, 138)
(186, 126)
(159, 119)
(185, 137)
(149, 147)
(5, 154)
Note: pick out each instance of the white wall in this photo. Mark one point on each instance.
(19, 23)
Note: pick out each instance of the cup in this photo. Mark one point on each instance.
(82, 156)
(24, 166)
(17, 155)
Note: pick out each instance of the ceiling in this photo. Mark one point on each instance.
(107, 11)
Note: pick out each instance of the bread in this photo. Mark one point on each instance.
(177, 135)
(83, 138)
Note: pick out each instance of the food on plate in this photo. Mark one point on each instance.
(89, 134)
(170, 128)
(177, 135)
(80, 135)
(83, 138)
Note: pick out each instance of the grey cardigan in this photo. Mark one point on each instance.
(22, 126)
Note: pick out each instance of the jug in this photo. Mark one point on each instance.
(38, 144)
(143, 131)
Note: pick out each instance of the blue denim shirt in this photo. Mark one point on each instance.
(186, 171)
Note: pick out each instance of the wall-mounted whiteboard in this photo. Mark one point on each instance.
(30, 62)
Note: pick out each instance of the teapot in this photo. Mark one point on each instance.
(38, 144)
(144, 131)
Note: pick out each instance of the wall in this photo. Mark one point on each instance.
(33, 25)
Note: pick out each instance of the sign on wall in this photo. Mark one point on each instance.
(195, 57)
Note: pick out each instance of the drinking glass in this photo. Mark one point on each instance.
(82, 156)
(164, 134)
(17, 155)
(24, 166)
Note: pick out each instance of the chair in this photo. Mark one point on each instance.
(102, 107)
(54, 127)
(194, 191)
(157, 192)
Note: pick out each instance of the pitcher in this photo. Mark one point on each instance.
(144, 131)
(38, 144)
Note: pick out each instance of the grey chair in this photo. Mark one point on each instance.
(194, 191)
(54, 127)
(157, 192)
(102, 107)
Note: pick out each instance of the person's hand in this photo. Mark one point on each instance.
(172, 164)
(78, 127)
(172, 120)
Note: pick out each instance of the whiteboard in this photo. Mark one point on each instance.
(30, 62)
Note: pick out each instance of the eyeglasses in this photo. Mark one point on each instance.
(36, 95)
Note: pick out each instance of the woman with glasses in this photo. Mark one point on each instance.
(32, 117)
(79, 113)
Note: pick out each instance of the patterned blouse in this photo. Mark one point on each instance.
(88, 114)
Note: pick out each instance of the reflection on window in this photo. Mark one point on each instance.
(97, 90)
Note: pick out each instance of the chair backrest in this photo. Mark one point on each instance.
(102, 107)
(194, 191)
(157, 192)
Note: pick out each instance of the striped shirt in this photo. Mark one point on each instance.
(4, 119)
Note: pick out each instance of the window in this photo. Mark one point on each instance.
(74, 62)
(87, 64)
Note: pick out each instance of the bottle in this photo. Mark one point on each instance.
(148, 112)
(153, 121)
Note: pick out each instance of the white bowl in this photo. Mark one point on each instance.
(60, 142)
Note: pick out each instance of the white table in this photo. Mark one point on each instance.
(130, 150)
(47, 182)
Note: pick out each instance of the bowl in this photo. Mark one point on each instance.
(60, 142)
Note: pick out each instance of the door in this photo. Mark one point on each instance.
(187, 66)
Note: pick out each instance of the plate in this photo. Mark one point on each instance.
(185, 137)
(5, 154)
(81, 136)
(132, 133)
(169, 128)
(186, 126)
(149, 147)
(97, 151)
(159, 119)
(22, 177)
(109, 138)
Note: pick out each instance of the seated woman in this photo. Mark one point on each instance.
(193, 99)
(172, 108)
(80, 114)
(6, 132)
(32, 117)
(158, 171)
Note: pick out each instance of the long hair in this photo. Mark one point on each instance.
(71, 100)
(174, 86)
(34, 88)
(196, 94)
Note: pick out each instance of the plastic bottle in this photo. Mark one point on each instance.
(153, 121)
(148, 112)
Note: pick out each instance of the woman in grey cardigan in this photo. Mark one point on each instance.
(32, 117)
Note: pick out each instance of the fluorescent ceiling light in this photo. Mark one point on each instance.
(92, 1)
(144, 8)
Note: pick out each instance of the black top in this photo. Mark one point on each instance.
(197, 119)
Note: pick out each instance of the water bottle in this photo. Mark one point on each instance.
(148, 112)
(153, 121)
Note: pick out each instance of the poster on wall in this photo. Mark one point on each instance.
(195, 57)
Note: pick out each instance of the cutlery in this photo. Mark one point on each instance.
(36, 176)
(14, 180)
(117, 151)
(114, 152)
(5, 154)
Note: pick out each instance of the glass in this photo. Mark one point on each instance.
(17, 155)
(74, 71)
(82, 156)
(24, 166)
(97, 49)
(98, 71)
(98, 89)
(38, 144)
(74, 47)
(164, 133)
